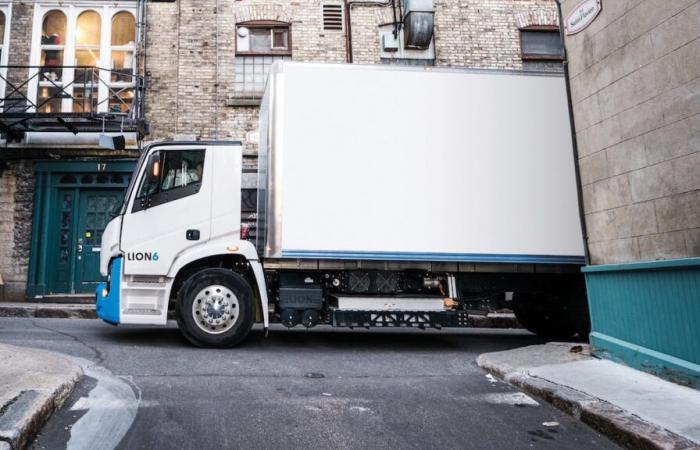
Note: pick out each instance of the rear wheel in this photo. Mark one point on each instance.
(215, 308)
(554, 316)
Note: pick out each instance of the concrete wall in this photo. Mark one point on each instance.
(636, 92)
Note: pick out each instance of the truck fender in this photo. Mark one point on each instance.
(227, 246)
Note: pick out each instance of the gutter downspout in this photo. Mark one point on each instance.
(574, 140)
(348, 22)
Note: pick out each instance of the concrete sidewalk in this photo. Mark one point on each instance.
(33, 384)
(633, 408)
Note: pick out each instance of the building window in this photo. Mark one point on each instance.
(2, 33)
(123, 48)
(87, 54)
(4, 40)
(258, 46)
(68, 47)
(53, 40)
(541, 49)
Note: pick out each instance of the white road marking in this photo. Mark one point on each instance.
(111, 408)
(360, 409)
(512, 398)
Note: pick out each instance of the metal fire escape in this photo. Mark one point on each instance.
(75, 99)
(121, 110)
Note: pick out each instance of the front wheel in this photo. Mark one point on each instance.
(215, 308)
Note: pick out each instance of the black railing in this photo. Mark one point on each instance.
(95, 100)
(51, 85)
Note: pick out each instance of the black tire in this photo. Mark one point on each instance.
(553, 316)
(245, 308)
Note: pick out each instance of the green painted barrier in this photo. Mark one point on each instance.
(647, 315)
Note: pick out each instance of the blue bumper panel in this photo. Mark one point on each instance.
(108, 305)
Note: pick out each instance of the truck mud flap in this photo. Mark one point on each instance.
(408, 319)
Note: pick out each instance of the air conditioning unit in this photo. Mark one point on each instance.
(418, 22)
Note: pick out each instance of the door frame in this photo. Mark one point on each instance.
(44, 192)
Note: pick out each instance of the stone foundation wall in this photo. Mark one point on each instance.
(16, 207)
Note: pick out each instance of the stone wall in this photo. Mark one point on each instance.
(636, 93)
(16, 205)
(18, 50)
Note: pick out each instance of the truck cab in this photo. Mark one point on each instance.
(172, 224)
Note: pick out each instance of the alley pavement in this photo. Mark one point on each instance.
(325, 388)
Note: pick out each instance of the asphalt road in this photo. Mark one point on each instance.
(322, 389)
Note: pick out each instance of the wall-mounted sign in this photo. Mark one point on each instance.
(253, 136)
(582, 15)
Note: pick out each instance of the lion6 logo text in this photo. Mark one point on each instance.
(142, 256)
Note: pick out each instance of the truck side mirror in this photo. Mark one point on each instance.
(154, 168)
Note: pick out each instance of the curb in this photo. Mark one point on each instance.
(48, 310)
(618, 425)
(22, 416)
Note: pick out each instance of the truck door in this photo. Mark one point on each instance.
(170, 208)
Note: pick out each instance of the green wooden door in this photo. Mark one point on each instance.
(80, 210)
(72, 205)
(62, 233)
(94, 209)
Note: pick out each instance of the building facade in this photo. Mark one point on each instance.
(187, 69)
(636, 95)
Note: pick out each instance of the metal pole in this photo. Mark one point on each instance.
(574, 141)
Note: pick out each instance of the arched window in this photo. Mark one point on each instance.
(87, 55)
(53, 40)
(87, 39)
(122, 48)
(123, 29)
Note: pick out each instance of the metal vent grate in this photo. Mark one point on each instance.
(332, 17)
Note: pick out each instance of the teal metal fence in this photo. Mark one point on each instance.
(647, 315)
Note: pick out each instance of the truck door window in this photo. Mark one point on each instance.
(181, 176)
(182, 168)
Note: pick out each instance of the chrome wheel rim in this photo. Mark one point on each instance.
(215, 309)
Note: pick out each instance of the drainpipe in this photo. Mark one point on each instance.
(574, 140)
(348, 22)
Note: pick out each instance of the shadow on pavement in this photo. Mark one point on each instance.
(326, 338)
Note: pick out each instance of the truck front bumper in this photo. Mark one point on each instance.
(107, 294)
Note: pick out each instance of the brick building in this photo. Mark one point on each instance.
(191, 69)
(635, 90)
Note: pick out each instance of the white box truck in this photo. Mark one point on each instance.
(387, 196)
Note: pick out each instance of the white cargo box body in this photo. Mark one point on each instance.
(386, 163)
